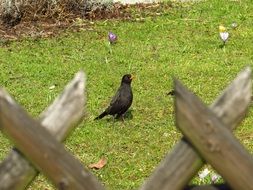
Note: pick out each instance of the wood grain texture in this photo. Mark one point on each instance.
(15, 171)
(209, 187)
(183, 162)
(213, 140)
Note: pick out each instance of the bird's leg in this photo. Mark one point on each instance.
(121, 117)
(113, 122)
(114, 118)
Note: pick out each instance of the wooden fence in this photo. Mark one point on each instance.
(207, 139)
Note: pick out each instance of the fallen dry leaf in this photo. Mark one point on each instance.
(100, 164)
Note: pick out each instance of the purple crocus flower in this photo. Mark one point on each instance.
(112, 37)
(215, 178)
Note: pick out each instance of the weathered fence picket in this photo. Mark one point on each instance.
(183, 162)
(209, 187)
(66, 111)
(213, 140)
(207, 130)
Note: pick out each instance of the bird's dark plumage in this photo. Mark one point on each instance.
(122, 100)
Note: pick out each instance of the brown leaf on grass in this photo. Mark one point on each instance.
(100, 164)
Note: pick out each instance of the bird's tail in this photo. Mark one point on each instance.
(101, 115)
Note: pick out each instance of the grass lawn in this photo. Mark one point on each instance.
(181, 41)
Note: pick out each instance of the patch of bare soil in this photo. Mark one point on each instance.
(47, 23)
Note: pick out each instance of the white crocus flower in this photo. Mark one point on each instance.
(204, 173)
(224, 36)
(223, 33)
(234, 25)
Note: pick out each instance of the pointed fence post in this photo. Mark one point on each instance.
(181, 165)
(66, 111)
(213, 140)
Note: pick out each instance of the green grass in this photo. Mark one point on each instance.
(182, 42)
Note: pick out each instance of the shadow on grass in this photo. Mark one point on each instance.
(127, 116)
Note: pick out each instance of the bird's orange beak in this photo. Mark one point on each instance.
(132, 77)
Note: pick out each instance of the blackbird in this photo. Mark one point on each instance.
(121, 101)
